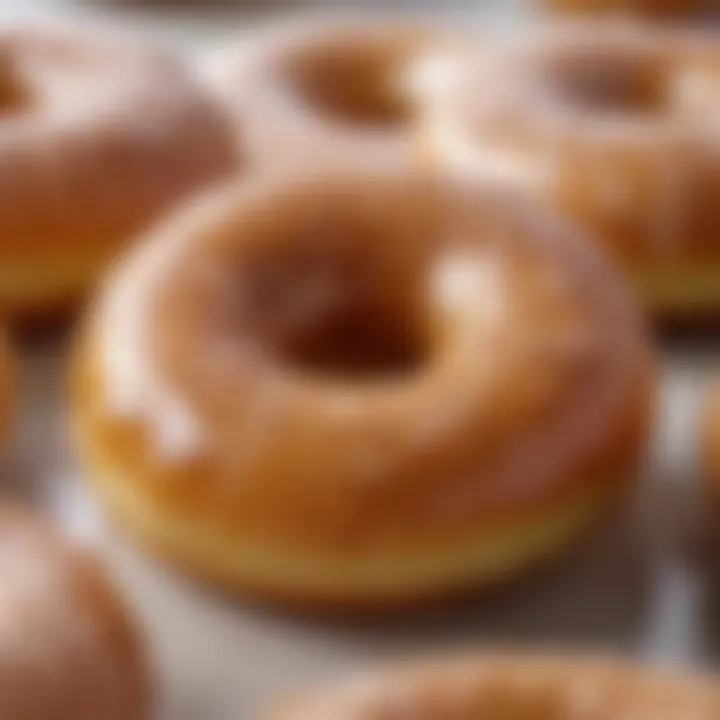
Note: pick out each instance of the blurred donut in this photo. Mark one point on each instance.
(360, 386)
(613, 123)
(510, 687)
(68, 648)
(325, 90)
(98, 136)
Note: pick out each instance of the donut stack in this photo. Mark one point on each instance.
(366, 328)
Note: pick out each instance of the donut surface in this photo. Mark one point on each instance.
(97, 136)
(361, 386)
(306, 93)
(613, 123)
(68, 650)
(511, 688)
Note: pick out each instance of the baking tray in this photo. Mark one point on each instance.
(645, 585)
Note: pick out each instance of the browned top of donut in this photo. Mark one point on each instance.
(511, 688)
(97, 135)
(67, 647)
(357, 355)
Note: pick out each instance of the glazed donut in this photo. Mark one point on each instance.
(68, 650)
(335, 90)
(98, 137)
(511, 688)
(361, 387)
(612, 123)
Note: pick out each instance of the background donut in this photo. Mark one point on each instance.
(610, 122)
(326, 90)
(99, 136)
(506, 686)
(68, 647)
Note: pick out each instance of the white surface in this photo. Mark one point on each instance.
(644, 585)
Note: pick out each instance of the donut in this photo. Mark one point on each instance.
(68, 648)
(357, 387)
(610, 122)
(531, 687)
(324, 89)
(99, 135)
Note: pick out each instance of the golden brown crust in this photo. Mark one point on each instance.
(68, 649)
(300, 455)
(353, 603)
(326, 90)
(609, 121)
(512, 688)
(99, 136)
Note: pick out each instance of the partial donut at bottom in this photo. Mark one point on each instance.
(508, 687)
(69, 649)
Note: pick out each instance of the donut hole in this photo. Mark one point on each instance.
(610, 83)
(352, 86)
(328, 314)
(359, 342)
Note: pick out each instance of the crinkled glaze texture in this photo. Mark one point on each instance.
(326, 89)
(68, 650)
(612, 121)
(511, 688)
(98, 135)
(345, 362)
